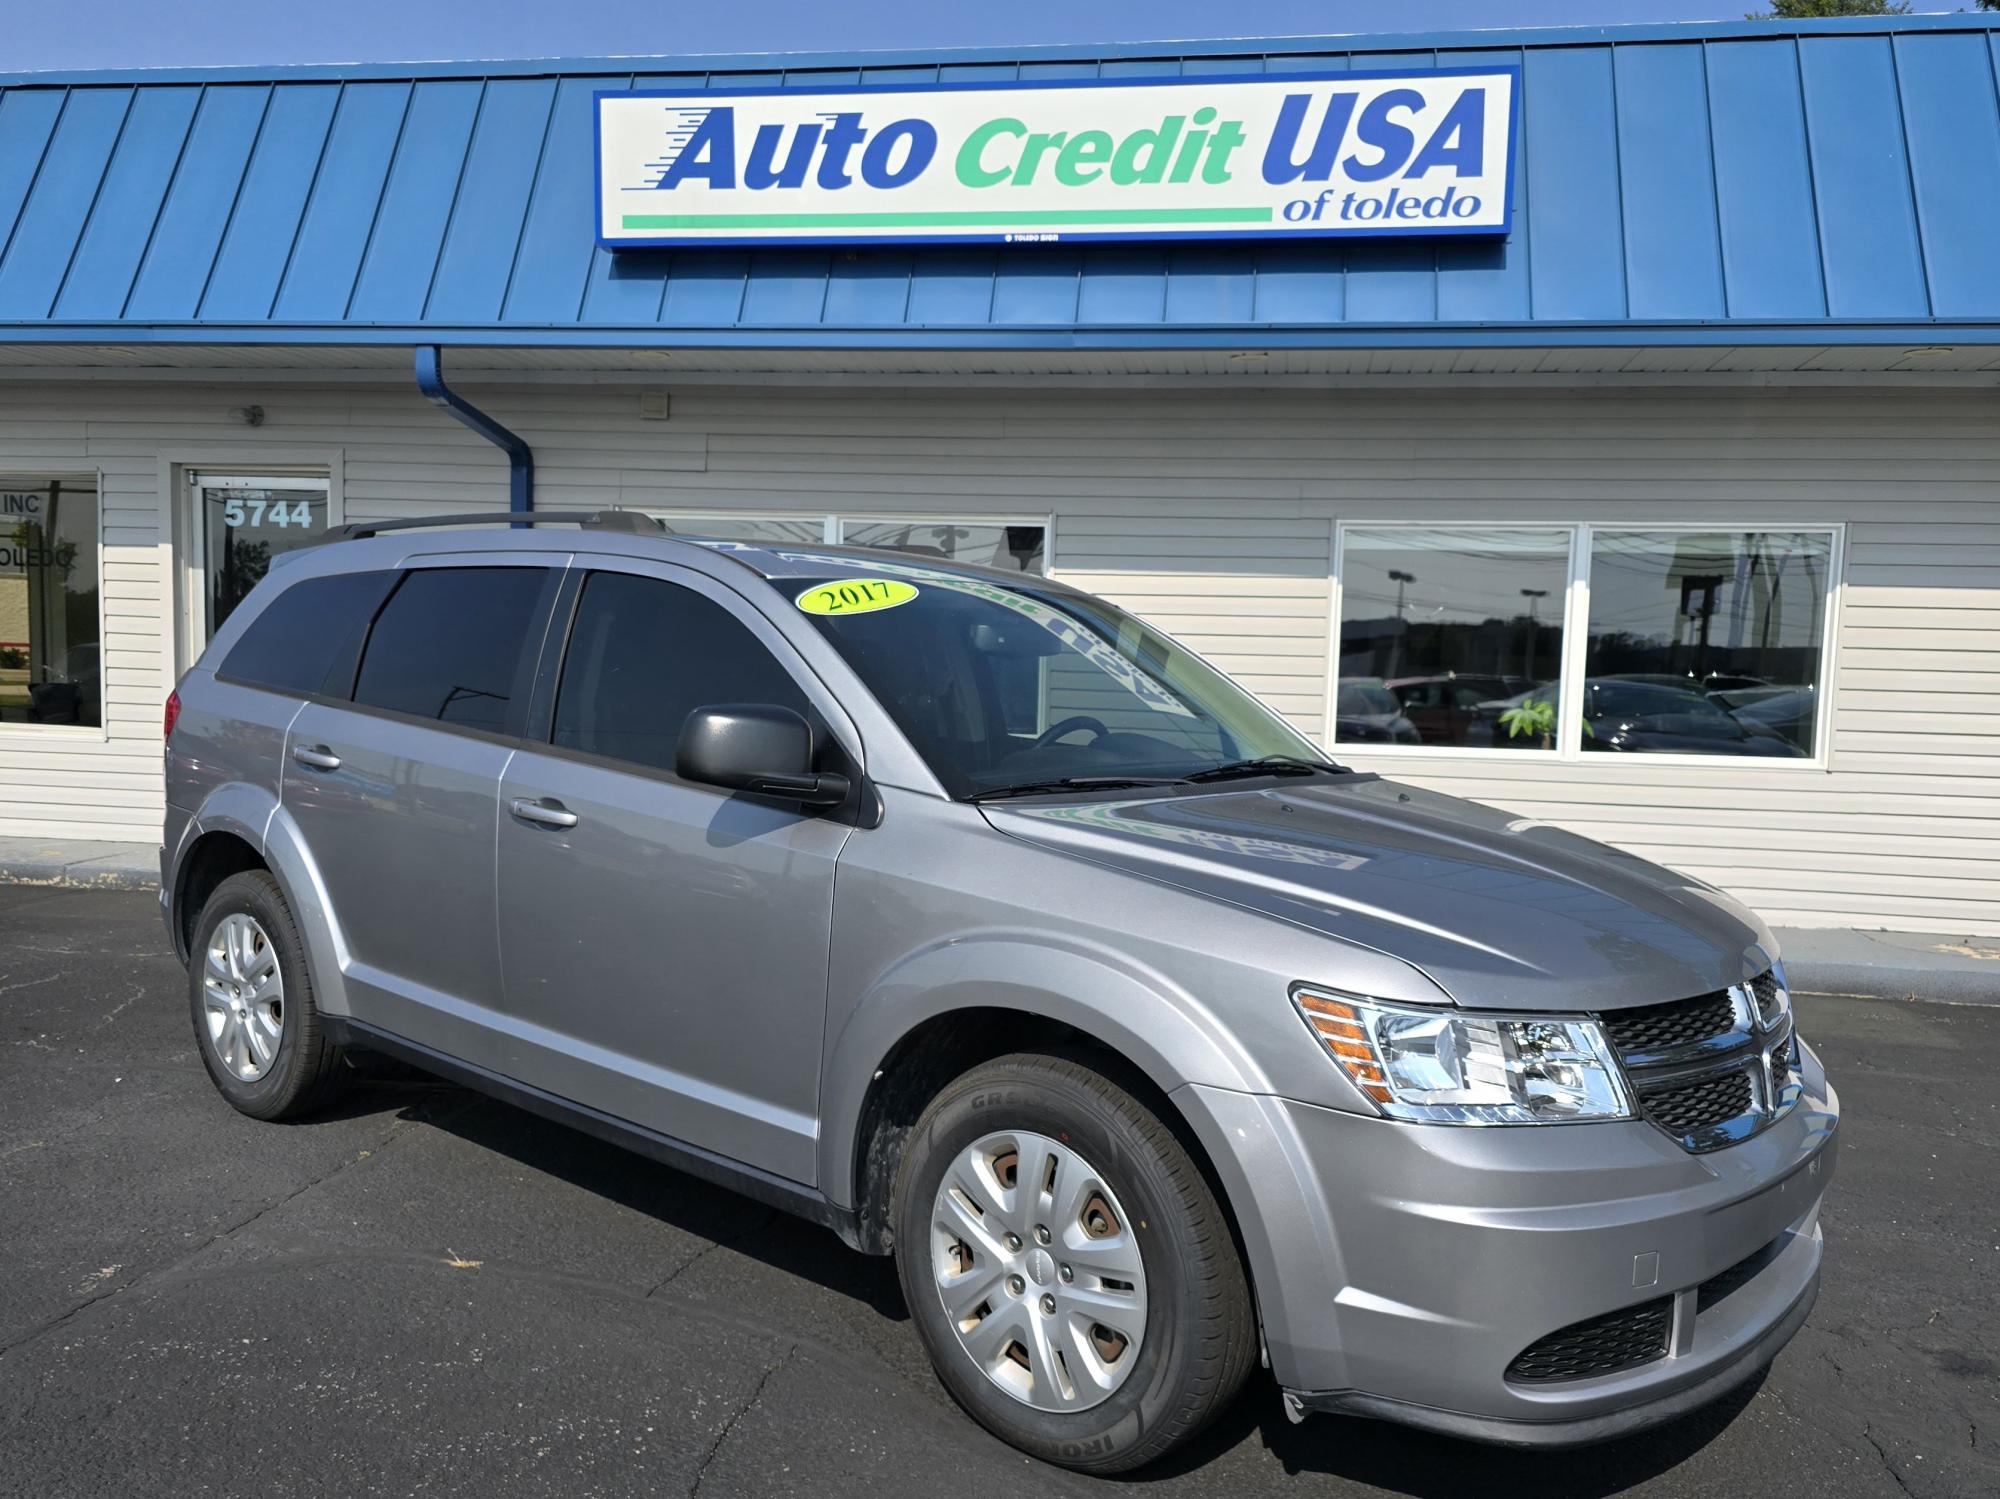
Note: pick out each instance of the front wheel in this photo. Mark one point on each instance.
(1069, 1269)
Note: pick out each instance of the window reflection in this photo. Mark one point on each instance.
(1705, 642)
(1017, 549)
(1451, 636)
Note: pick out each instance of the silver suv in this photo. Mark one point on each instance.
(975, 919)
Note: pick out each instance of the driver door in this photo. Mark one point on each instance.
(664, 944)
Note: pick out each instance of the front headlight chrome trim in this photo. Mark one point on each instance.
(1479, 1050)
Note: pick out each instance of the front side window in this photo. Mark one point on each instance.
(450, 645)
(1451, 636)
(1010, 685)
(51, 658)
(643, 654)
(1705, 642)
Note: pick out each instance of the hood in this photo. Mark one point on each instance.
(1501, 912)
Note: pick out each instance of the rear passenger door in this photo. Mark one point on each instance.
(665, 943)
(393, 792)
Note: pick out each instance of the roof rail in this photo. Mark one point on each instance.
(629, 521)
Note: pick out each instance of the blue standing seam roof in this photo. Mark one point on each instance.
(1826, 182)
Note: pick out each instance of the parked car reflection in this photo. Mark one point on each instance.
(1444, 709)
(1648, 713)
(1366, 712)
(1647, 717)
(1790, 711)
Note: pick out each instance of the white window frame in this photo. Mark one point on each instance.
(1569, 748)
(75, 733)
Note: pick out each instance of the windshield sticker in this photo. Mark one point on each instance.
(856, 596)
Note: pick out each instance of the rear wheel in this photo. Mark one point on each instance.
(1068, 1267)
(255, 1023)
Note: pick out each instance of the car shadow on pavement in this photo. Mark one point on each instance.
(1423, 1465)
(723, 1217)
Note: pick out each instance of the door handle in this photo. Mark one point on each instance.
(315, 757)
(550, 814)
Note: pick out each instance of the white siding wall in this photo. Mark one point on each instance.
(1211, 512)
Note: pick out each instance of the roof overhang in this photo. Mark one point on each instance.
(1898, 362)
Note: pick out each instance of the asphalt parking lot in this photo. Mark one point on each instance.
(429, 1292)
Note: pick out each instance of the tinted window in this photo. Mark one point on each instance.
(306, 640)
(643, 654)
(448, 644)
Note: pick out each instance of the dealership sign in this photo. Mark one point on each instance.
(1275, 156)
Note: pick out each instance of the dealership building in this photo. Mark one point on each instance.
(1655, 494)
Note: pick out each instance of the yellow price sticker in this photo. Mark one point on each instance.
(856, 596)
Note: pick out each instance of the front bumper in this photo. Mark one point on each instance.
(1400, 1269)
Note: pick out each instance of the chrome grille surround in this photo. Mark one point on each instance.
(1705, 1083)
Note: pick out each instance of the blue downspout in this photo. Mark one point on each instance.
(520, 458)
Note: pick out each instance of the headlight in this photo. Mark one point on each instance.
(1458, 1067)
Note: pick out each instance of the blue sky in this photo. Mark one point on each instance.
(186, 33)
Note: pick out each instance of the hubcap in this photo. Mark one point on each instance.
(1038, 1270)
(243, 995)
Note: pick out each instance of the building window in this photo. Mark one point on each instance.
(1011, 548)
(51, 659)
(1451, 636)
(1706, 642)
(1693, 641)
(763, 530)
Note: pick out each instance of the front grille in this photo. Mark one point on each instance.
(1683, 1022)
(1696, 1065)
(1692, 1108)
(1602, 1345)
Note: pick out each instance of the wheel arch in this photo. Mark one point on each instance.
(241, 826)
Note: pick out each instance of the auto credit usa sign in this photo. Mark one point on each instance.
(1266, 157)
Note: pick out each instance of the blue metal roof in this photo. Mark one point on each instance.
(1832, 182)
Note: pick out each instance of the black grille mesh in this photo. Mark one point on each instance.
(1693, 1107)
(1682, 1022)
(1764, 988)
(1781, 1067)
(1602, 1345)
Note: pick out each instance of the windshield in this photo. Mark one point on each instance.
(1001, 685)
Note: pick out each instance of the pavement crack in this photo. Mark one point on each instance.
(707, 1249)
(42, 1329)
(1868, 1436)
(756, 1394)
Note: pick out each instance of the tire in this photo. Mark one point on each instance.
(1199, 1337)
(303, 1071)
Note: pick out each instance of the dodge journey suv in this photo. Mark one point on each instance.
(980, 922)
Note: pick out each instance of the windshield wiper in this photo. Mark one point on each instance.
(1269, 765)
(1073, 783)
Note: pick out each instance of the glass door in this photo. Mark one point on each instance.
(242, 521)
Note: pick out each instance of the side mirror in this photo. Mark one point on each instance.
(756, 748)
